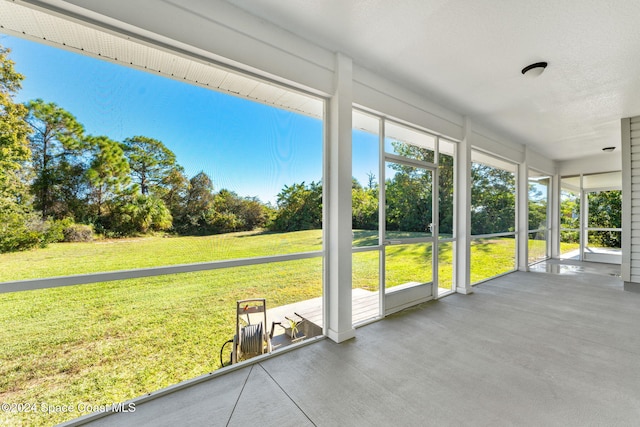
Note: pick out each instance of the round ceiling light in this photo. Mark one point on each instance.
(534, 70)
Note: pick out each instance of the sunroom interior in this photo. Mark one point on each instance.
(431, 93)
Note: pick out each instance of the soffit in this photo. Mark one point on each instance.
(57, 31)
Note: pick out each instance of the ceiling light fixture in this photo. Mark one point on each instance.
(534, 70)
(608, 149)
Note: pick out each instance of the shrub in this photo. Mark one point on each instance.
(21, 231)
(78, 233)
(222, 222)
(53, 231)
(136, 214)
(15, 235)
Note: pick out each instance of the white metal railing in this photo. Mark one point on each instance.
(82, 279)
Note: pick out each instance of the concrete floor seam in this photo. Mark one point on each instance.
(239, 395)
(286, 394)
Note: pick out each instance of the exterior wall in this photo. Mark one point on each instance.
(631, 203)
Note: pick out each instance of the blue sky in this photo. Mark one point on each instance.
(244, 146)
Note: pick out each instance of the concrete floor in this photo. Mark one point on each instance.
(526, 349)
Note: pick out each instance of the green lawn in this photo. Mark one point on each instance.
(62, 259)
(108, 342)
(491, 257)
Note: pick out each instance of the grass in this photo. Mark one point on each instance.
(108, 342)
(62, 259)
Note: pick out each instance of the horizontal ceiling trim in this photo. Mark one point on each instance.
(388, 100)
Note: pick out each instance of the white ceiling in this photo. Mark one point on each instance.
(468, 55)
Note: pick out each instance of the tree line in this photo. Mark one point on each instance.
(59, 183)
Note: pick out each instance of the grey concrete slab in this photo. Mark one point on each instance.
(263, 403)
(209, 403)
(333, 388)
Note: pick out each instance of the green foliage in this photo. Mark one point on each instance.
(413, 152)
(364, 205)
(222, 212)
(15, 201)
(605, 211)
(150, 161)
(173, 192)
(408, 200)
(234, 213)
(538, 215)
(445, 193)
(52, 231)
(78, 233)
(493, 201)
(14, 146)
(220, 222)
(133, 214)
(48, 164)
(569, 210)
(15, 231)
(20, 230)
(538, 204)
(299, 208)
(197, 205)
(57, 147)
(108, 171)
(409, 192)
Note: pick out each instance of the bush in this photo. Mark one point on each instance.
(53, 231)
(223, 222)
(299, 208)
(16, 234)
(136, 214)
(78, 233)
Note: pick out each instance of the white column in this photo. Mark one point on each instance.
(522, 215)
(554, 220)
(627, 201)
(462, 213)
(339, 325)
(584, 215)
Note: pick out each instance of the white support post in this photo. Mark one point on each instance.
(554, 217)
(339, 325)
(627, 202)
(522, 215)
(630, 268)
(462, 213)
(584, 214)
